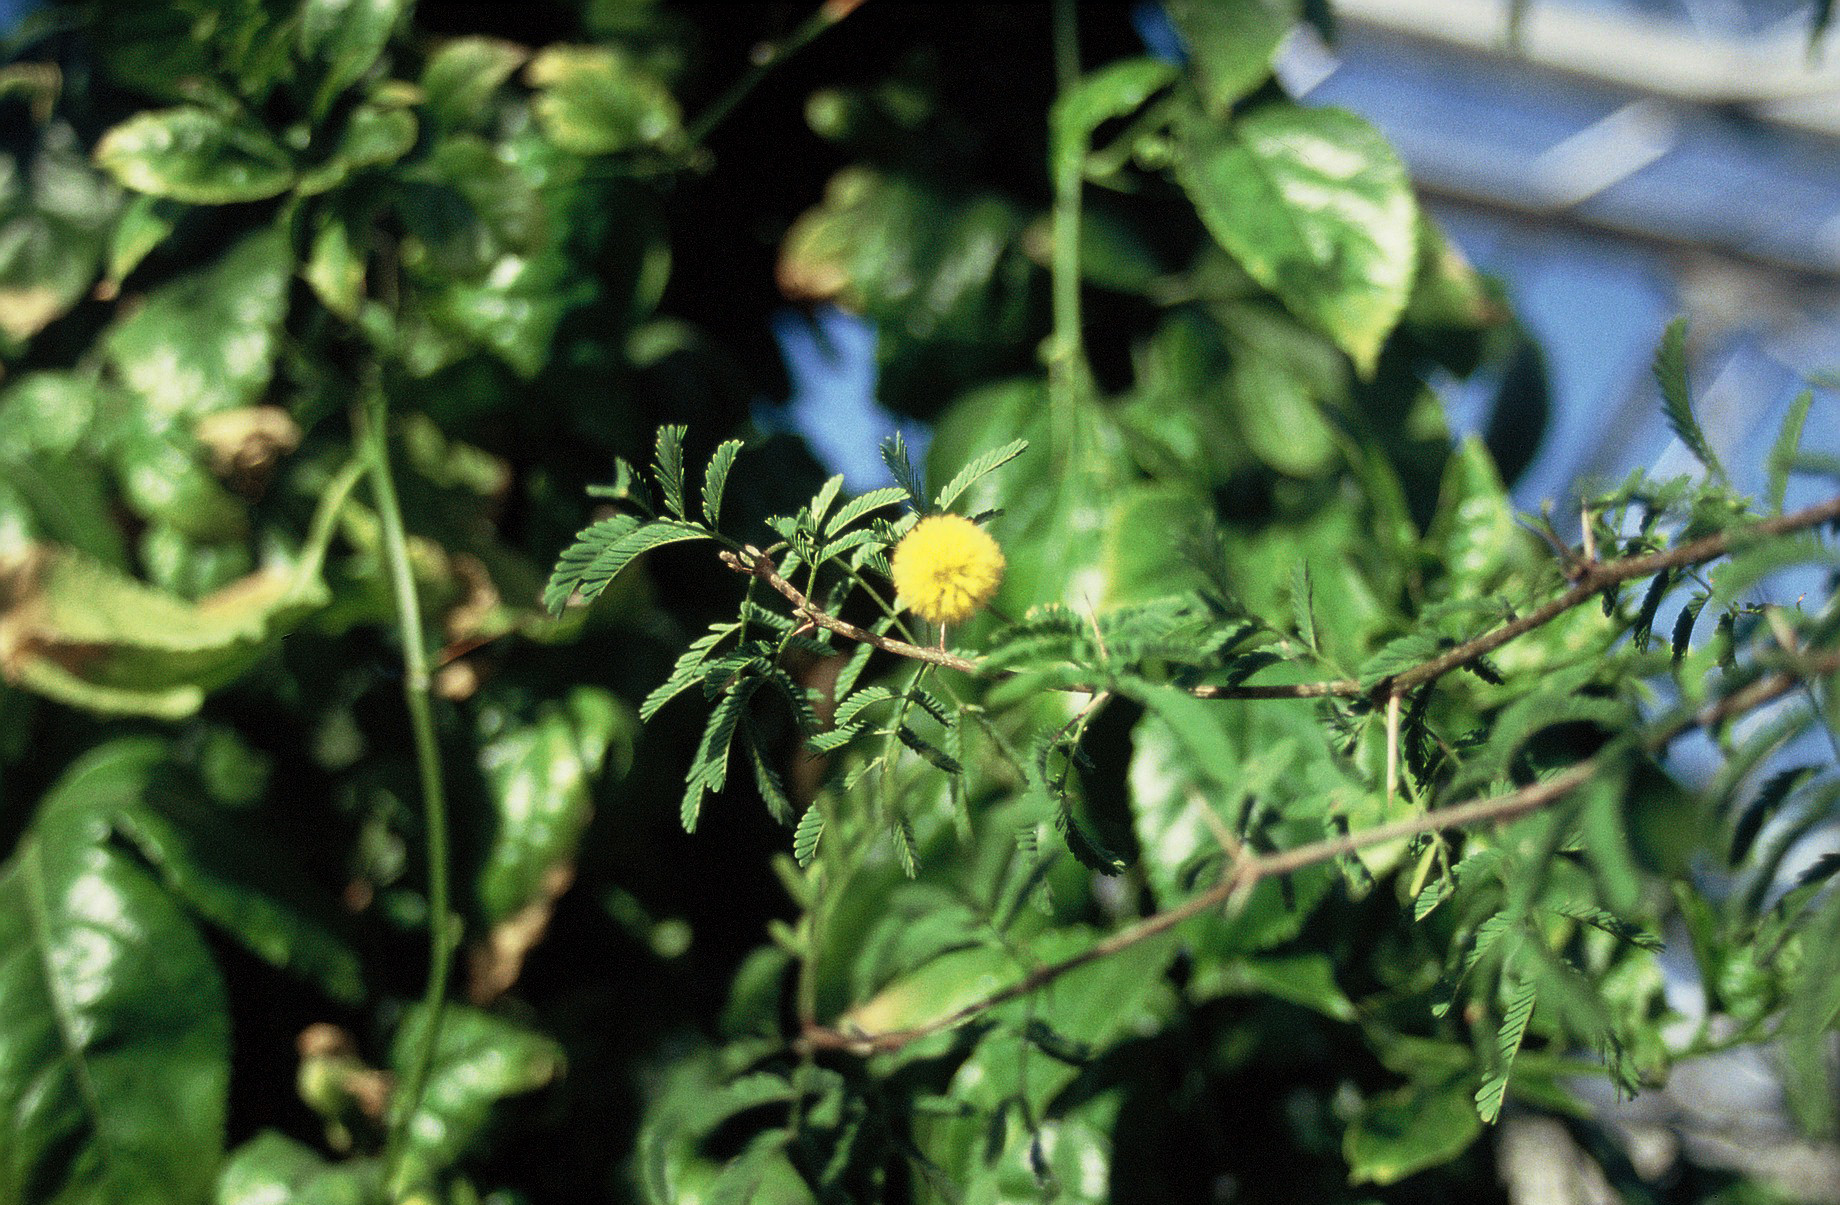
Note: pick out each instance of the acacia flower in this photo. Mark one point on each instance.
(946, 568)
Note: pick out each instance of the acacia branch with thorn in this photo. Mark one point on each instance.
(1245, 871)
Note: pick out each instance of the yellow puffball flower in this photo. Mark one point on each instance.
(946, 568)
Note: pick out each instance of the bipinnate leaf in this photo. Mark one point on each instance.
(1651, 606)
(114, 1029)
(1316, 207)
(1677, 398)
(976, 470)
(715, 479)
(601, 551)
(861, 505)
(668, 468)
(688, 671)
(709, 771)
(1770, 797)
(805, 838)
(1788, 444)
(906, 476)
(1508, 1039)
(195, 155)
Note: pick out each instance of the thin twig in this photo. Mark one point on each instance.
(752, 560)
(1591, 580)
(770, 56)
(1243, 874)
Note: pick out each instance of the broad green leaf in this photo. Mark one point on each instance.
(272, 1168)
(1306, 980)
(374, 135)
(334, 268)
(53, 237)
(514, 308)
(208, 340)
(1315, 206)
(249, 886)
(1232, 43)
(164, 479)
(144, 225)
(541, 777)
(114, 1030)
(347, 37)
(1113, 91)
(79, 632)
(479, 1060)
(594, 100)
(1410, 1129)
(195, 155)
(462, 75)
(1474, 528)
(943, 271)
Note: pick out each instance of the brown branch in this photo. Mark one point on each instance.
(1247, 872)
(1591, 579)
(761, 566)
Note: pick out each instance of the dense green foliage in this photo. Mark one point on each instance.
(1293, 816)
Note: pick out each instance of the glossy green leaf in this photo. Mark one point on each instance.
(1316, 207)
(541, 775)
(480, 1060)
(195, 155)
(272, 1168)
(334, 267)
(86, 635)
(114, 1030)
(347, 37)
(1113, 91)
(462, 75)
(144, 225)
(374, 135)
(1418, 1126)
(230, 872)
(208, 340)
(1232, 43)
(594, 100)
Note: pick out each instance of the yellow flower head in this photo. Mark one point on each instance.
(946, 568)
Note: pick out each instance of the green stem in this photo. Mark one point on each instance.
(828, 14)
(1067, 371)
(417, 695)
